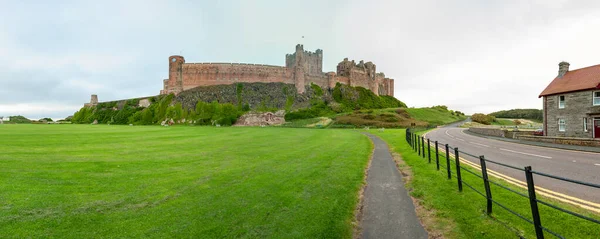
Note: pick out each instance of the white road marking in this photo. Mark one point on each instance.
(460, 139)
(597, 164)
(449, 134)
(480, 144)
(541, 156)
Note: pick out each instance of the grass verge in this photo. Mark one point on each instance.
(456, 214)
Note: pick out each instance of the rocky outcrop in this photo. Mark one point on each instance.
(260, 119)
(255, 95)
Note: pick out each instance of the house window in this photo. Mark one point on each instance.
(585, 128)
(597, 98)
(561, 102)
(561, 125)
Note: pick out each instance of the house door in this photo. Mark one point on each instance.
(596, 127)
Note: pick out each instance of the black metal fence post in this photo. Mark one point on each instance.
(486, 184)
(437, 156)
(419, 145)
(423, 146)
(416, 142)
(457, 158)
(429, 150)
(448, 161)
(533, 201)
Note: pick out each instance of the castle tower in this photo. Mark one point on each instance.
(299, 69)
(94, 100)
(176, 73)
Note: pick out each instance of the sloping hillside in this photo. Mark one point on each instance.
(398, 117)
(437, 115)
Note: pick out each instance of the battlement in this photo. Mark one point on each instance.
(301, 68)
(228, 63)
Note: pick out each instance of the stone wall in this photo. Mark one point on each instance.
(488, 131)
(500, 132)
(562, 140)
(301, 69)
(578, 105)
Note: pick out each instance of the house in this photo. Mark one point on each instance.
(572, 103)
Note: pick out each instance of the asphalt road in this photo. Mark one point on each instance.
(583, 166)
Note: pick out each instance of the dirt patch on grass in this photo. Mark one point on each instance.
(323, 122)
(436, 227)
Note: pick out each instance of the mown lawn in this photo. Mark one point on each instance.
(457, 214)
(98, 181)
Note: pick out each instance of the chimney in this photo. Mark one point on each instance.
(563, 68)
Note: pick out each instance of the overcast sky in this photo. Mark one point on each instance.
(474, 56)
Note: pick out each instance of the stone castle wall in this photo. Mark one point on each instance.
(301, 69)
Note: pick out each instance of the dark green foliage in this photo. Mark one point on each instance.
(391, 102)
(317, 110)
(46, 119)
(317, 89)
(18, 119)
(215, 113)
(353, 98)
(483, 118)
(161, 110)
(128, 112)
(531, 114)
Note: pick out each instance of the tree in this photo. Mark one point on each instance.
(483, 119)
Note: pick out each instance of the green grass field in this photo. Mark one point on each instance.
(98, 181)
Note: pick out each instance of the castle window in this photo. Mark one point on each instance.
(173, 60)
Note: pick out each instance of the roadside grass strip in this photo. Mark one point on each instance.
(465, 211)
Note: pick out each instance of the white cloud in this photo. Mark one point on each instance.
(474, 56)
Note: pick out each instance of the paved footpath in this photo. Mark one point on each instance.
(388, 210)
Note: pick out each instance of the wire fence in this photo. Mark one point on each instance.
(423, 146)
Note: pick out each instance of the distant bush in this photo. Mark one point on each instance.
(317, 110)
(483, 118)
(532, 114)
(19, 120)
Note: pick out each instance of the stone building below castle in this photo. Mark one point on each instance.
(301, 69)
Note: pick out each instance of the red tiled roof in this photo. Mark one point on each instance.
(576, 80)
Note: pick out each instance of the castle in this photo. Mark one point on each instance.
(301, 68)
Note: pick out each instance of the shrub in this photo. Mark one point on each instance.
(19, 119)
(483, 118)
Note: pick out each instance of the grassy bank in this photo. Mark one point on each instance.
(462, 214)
(98, 181)
(434, 115)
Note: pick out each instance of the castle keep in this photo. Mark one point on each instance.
(301, 69)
